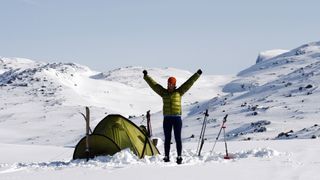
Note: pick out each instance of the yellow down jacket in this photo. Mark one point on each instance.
(171, 100)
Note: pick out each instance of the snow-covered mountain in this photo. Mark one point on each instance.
(282, 90)
(274, 99)
(35, 95)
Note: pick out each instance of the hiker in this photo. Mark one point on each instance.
(171, 98)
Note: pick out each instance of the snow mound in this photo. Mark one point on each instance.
(259, 152)
(126, 157)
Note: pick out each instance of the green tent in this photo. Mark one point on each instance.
(113, 134)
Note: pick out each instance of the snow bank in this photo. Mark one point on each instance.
(126, 158)
(259, 152)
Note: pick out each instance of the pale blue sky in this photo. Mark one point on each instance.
(221, 37)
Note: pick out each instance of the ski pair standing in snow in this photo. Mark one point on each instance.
(171, 98)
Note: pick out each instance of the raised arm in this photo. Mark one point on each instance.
(153, 84)
(187, 85)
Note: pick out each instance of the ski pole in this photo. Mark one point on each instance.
(223, 122)
(204, 130)
(202, 133)
(200, 136)
(225, 143)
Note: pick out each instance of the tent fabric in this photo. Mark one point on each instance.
(99, 145)
(124, 134)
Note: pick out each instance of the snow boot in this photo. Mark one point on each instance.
(179, 160)
(166, 159)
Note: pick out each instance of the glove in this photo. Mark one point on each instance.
(145, 72)
(199, 71)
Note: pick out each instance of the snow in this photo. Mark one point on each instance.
(272, 128)
(265, 55)
(263, 159)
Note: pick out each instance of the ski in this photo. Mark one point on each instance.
(88, 130)
(149, 128)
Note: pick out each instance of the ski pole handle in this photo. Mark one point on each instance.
(206, 113)
(225, 118)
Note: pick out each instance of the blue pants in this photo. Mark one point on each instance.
(174, 122)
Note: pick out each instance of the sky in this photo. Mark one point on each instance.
(220, 37)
